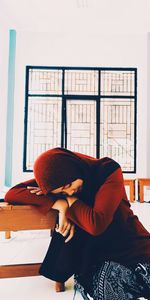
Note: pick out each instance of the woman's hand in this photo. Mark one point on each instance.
(65, 227)
(35, 190)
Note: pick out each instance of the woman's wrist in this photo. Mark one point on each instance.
(61, 205)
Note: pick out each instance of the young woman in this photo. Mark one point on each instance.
(97, 238)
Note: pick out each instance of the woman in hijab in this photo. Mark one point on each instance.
(97, 236)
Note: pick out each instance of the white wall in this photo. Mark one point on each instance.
(112, 50)
(77, 33)
(148, 106)
(76, 16)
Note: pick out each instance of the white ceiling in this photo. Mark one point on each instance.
(95, 16)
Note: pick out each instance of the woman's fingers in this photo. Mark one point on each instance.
(35, 190)
(62, 227)
(32, 187)
(63, 222)
(71, 234)
(39, 193)
(65, 227)
(66, 230)
(69, 229)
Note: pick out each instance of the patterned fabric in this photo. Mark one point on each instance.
(112, 281)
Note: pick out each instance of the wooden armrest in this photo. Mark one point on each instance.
(25, 217)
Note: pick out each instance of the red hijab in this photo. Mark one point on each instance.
(58, 167)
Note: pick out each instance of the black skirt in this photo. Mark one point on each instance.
(62, 259)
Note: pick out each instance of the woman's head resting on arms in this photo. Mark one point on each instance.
(70, 189)
(58, 172)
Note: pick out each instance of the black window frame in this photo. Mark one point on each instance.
(64, 97)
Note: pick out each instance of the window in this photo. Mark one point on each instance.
(88, 110)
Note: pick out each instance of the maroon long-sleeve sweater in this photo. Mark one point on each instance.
(102, 210)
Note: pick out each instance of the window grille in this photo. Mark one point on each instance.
(88, 110)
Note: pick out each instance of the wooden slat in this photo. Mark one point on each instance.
(7, 234)
(20, 270)
(25, 217)
(131, 184)
(142, 182)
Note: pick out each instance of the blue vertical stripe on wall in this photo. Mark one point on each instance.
(10, 107)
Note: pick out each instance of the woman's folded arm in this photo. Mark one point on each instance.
(96, 219)
(19, 194)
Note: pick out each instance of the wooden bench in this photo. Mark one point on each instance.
(142, 182)
(23, 217)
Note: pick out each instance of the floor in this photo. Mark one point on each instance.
(31, 246)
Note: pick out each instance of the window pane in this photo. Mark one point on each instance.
(78, 82)
(117, 131)
(44, 126)
(81, 126)
(45, 81)
(119, 83)
(48, 87)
